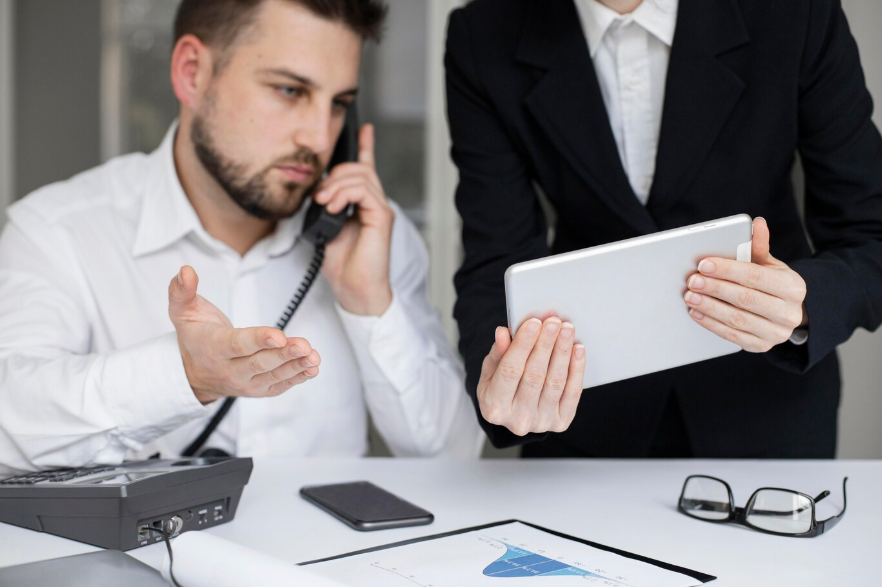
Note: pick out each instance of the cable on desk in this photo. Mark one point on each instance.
(171, 556)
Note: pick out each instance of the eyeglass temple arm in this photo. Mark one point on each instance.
(822, 495)
(825, 525)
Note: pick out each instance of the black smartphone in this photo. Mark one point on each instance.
(318, 224)
(364, 506)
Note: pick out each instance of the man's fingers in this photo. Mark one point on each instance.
(366, 144)
(266, 360)
(244, 342)
(350, 170)
(283, 386)
(331, 188)
(569, 401)
(526, 398)
(360, 194)
(556, 378)
(289, 370)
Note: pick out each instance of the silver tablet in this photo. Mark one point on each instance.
(626, 298)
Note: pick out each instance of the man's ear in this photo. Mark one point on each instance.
(191, 70)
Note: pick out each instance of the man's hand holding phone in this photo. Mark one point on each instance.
(533, 383)
(357, 261)
(222, 361)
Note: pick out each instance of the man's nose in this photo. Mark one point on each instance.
(315, 132)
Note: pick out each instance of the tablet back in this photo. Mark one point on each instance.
(626, 298)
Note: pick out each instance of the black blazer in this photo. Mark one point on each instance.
(750, 84)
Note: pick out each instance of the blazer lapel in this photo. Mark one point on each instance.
(567, 103)
(700, 94)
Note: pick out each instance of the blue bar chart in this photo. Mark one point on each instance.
(518, 562)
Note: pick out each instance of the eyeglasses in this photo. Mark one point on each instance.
(770, 509)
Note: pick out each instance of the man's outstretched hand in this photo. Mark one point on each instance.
(222, 361)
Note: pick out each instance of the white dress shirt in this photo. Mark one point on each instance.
(90, 369)
(630, 53)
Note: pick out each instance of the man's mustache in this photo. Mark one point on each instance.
(302, 157)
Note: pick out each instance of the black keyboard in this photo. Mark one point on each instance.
(55, 475)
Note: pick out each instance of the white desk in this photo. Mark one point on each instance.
(626, 504)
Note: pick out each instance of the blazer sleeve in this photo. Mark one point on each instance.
(502, 221)
(841, 152)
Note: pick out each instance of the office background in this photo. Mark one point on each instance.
(81, 82)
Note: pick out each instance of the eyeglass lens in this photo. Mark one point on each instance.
(780, 511)
(706, 498)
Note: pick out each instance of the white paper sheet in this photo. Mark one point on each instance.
(203, 560)
(489, 556)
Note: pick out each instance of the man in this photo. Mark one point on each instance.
(98, 362)
(637, 116)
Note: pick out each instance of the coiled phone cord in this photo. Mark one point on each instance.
(308, 279)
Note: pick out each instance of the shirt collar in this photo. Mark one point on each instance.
(658, 17)
(166, 213)
(287, 232)
(168, 216)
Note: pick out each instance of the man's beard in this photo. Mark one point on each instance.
(251, 194)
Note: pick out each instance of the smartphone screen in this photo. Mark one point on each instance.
(364, 506)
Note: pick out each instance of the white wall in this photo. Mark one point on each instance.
(443, 224)
(57, 90)
(7, 91)
(860, 416)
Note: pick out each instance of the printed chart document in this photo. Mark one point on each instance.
(490, 555)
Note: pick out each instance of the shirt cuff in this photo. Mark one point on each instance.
(148, 389)
(387, 348)
(799, 336)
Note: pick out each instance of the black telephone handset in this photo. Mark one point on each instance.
(319, 226)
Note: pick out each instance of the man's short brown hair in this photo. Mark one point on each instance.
(218, 23)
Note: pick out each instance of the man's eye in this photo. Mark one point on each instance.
(290, 91)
